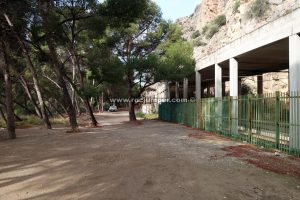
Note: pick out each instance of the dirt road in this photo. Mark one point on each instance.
(122, 161)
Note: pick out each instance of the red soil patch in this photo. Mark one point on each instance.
(253, 155)
(201, 135)
(204, 135)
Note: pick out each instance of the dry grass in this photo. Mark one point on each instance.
(32, 120)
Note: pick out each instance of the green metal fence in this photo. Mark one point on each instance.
(269, 120)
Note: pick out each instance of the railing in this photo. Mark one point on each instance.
(269, 120)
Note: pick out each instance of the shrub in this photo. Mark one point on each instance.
(257, 8)
(198, 42)
(236, 6)
(140, 115)
(147, 116)
(204, 29)
(151, 116)
(196, 34)
(213, 27)
(220, 20)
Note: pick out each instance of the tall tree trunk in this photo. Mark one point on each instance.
(3, 115)
(27, 90)
(67, 101)
(40, 99)
(17, 118)
(91, 113)
(48, 111)
(130, 84)
(56, 110)
(10, 119)
(132, 116)
(77, 107)
(73, 79)
(87, 103)
(57, 66)
(90, 110)
(34, 75)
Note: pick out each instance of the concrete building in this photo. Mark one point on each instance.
(154, 95)
(182, 90)
(163, 91)
(272, 48)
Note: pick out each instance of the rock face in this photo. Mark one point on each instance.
(238, 21)
(206, 12)
(203, 14)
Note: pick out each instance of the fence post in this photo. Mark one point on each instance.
(195, 114)
(198, 114)
(230, 114)
(249, 115)
(277, 118)
(201, 115)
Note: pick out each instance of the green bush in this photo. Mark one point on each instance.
(151, 116)
(236, 6)
(213, 27)
(196, 34)
(220, 20)
(147, 116)
(140, 115)
(257, 8)
(198, 42)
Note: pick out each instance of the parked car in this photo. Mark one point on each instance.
(112, 108)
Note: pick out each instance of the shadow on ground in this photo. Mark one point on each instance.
(153, 160)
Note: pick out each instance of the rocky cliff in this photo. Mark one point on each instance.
(208, 33)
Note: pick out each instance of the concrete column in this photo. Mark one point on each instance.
(168, 92)
(294, 86)
(260, 84)
(198, 85)
(234, 91)
(294, 68)
(176, 90)
(239, 87)
(218, 94)
(209, 91)
(218, 81)
(223, 89)
(185, 88)
(233, 76)
(260, 91)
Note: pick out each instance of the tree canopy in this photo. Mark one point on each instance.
(81, 49)
(151, 50)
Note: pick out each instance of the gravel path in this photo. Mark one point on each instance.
(122, 161)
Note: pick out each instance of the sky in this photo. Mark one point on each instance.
(174, 9)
